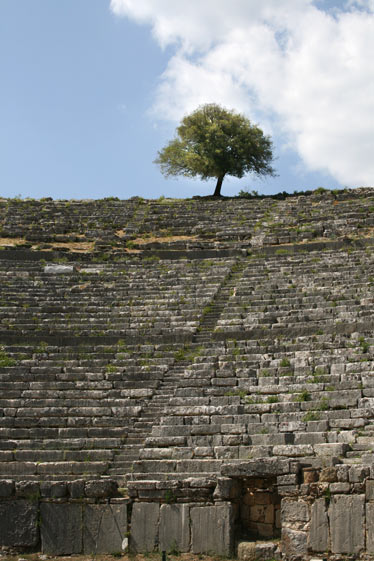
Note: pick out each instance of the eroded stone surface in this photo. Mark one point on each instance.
(61, 528)
(144, 527)
(211, 529)
(19, 524)
(347, 522)
(174, 528)
(104, 528)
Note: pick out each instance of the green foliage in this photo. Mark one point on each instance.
(6, 360)
(303, 396)
(214, 142)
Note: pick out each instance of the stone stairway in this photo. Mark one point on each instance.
(213, 311)
(123, 463)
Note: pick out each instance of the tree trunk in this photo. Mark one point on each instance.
(217, 192)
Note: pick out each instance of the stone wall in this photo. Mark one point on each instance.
(60, 518)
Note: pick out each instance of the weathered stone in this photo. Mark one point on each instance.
(319, 527)
(76, 488)
(346, 514)
(258, 551)
(174, 528)
(295, 513)
(28, 489)
(357, 474)
(19, 524)
(58, 269)
(101, 489)
(104, 528)
(61, 528)
(257, 468)
(370, 528)
(227, 488)
(328, 475)
(340, 487)
(294, 544)
(212, 529)
(144, 527)
(6, 487)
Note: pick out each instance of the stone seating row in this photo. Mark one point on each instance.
(300, 293)
(69, 411)
(159, 297)
(323, 411)
(291, 220)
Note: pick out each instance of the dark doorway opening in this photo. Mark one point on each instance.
(259, 509)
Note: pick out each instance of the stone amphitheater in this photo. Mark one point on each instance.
(188, 375)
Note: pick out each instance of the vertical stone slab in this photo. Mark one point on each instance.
(61, 528)
(104, 528)
(144, 527)
(19, 523)
(370, 528)
(212, 529)
(319, 527)
(347, 523)
(174, 528)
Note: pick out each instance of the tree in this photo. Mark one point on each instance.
(214, 142)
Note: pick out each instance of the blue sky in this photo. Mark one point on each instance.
(91, 89)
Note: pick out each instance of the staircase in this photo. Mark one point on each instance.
(215, 309)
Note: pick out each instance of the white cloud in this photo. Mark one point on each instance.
(288, 65)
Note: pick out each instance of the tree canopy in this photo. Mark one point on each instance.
(214, 142)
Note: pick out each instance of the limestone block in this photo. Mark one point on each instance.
(295, 513)
(328, 475)
(174, 528)
(370, 527)
(61, 528)
(100, 489)
(212, 529)
(319, 527)
(294, 544)
(357, 474)
(19, 523)
(144, 527)
(58, 269)
(253, 468)
(331, 449)
(104, 528)
(346, 514)
(258, 551)
(6, 487)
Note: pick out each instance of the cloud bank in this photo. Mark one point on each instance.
(304, 73)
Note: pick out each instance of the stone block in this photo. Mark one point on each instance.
(61, 528)
(101, 489)
(357, 474)
(319, 527)
(295, 513)
(347, 523)
(19, 524)
(253, 468)
(144, 527)
(6, 487)
(370, 528)
(174, 531)
(328, 475)
(294, 544)
(76, 488)
(104, 528)
(212, 529)
(258, 551)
